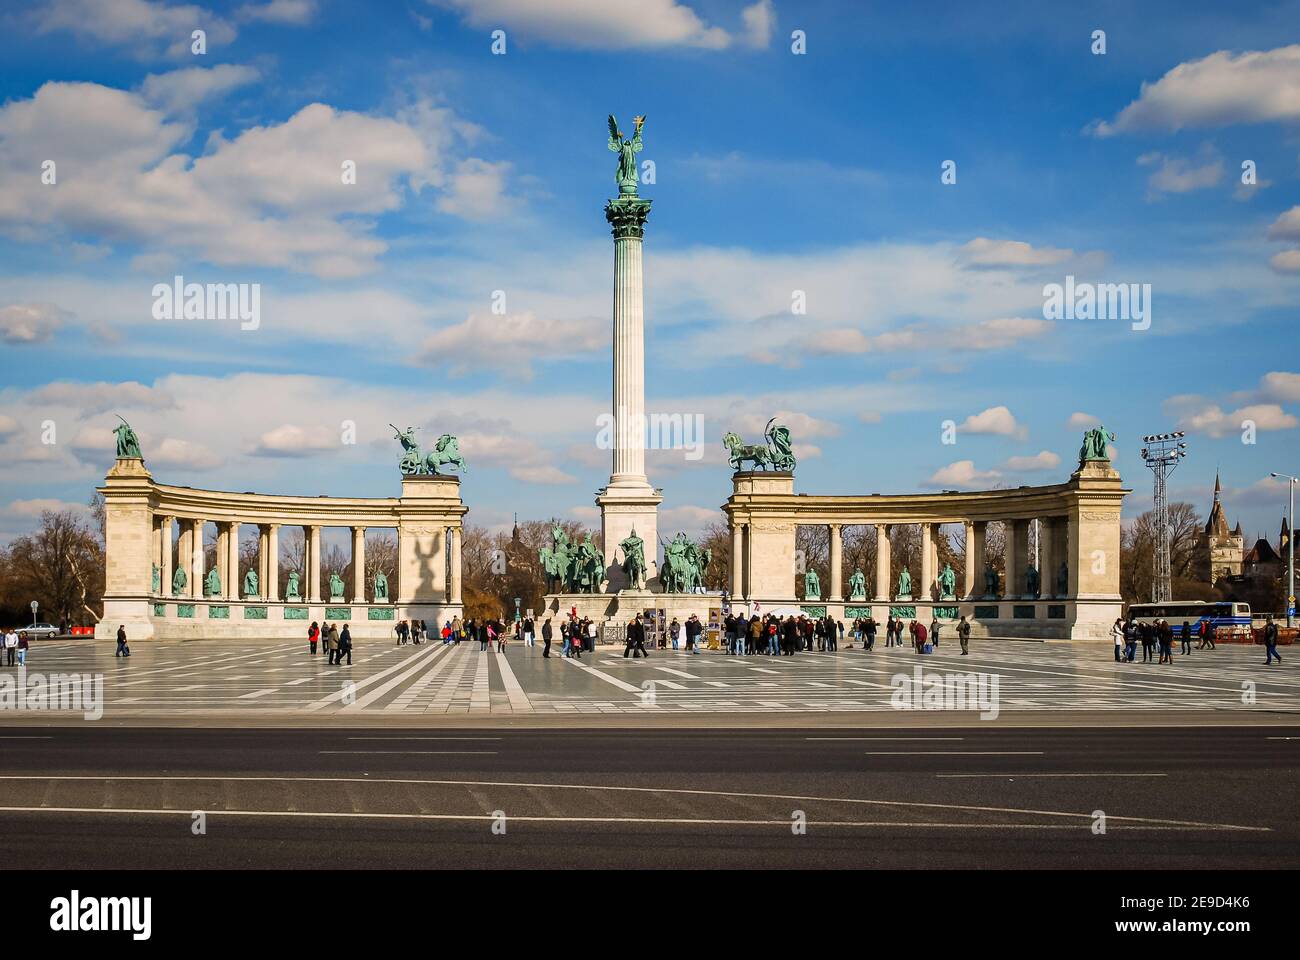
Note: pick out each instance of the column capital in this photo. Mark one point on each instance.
(627, 216)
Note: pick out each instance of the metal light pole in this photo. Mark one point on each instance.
(1290, 546)
(1161, 454)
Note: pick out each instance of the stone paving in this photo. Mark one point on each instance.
(204, 678)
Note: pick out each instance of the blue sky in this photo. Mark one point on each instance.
(775, 172)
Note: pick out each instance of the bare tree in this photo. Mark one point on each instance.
(60, 566)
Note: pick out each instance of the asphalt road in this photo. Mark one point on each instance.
(338, 796)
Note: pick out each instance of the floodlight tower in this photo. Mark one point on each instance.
(1161, 454)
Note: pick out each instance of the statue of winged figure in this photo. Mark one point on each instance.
(627, 151)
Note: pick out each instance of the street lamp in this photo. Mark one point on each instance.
(1290, 546)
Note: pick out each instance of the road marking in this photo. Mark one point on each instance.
(1022, 776)
(681, 791)
(954, 753)
(518, 699)
(26, 738)
(678, 673)
(408, 667)
(423, 738)
(857, 739)
(600, 673)
(459, 753)
(665, 821)
(258, 693)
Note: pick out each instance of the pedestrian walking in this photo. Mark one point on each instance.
(1270, 642)
(546, 638)
(871, 633)
(1185, 635)
(345, 646)
(963, 634)
(1117, 635)
(122, 649)
(11, 647)
(934, 632)
(334, 643)
(313, 634)
(635, 640)
(23, 643)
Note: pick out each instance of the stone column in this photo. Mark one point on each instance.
(261, 561)
(1015, 558)
(313, 564)
(837, 564)
(185, 555)
(1046, 555)
(975, 540)
(927, 561)
(232, 583)
(883, 589)
(155, 550)
(223, 558)
(166, 556)
(271, 590)
(454, 535)
(358, 564)
(196, 559)
(737, 560)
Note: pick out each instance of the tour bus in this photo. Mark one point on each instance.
(1227, 619)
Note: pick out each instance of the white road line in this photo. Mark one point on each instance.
(859, 739)
(406, 666)
(258, 693)
(375, 753)
(423, 738)
(678, 673)
(856, 801)
(665, 821)
(600, 673)
(518, 699)
(1024, 776)
(953, 753)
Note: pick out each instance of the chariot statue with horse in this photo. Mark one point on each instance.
(415, 462)
(776, 454)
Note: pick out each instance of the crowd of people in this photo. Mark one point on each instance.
(785, 636)
(1157, 639)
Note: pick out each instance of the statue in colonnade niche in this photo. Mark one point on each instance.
(904, 584)
(634, 566)
(990, 581)
(178, 581)
(291, 589)
(213, 588)
(1033, 582)
(157, 578)
(381, 586)
(812, 585)
(336, 586)
(857, 586)
(947, 583)
(250, 585)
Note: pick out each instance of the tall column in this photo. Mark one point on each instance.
(837, 564)
(927, 560)
(975, 546)
(1046, 557)
(358, 564)
(1017, 549)
(883, 589)
(155, 550)
(628, 502)
(223, 558)
(185, 555)
(271, 590)
(313, 564)
(737, 560)
(197, 558)
(232, 583)
(166, 556)
(454, 535)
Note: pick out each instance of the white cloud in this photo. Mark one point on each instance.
(1181, 174)
(294, 12)
(1213, 421)
(8, 426)
(291, 440)
(23, 323)
(983, 252)
(689, 519)
(146, 28)
(759, 22)
(1287, 261)
(273, 196)
(1043, 460)
(995, 420)
(1281, 385)
(1286, 226)
(511, 341)
(600, 24)
(180, 91)
(172, 452)
(1082, 421)
(1218, 90)
(476, 190)
(31, 509)
(962, 475)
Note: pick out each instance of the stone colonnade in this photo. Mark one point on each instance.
(144, 593)
(1078, 537)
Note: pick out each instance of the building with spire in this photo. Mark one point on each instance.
(1220, 551)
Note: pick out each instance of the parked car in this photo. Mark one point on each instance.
(39, 631)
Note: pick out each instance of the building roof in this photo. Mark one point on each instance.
(1262, 552)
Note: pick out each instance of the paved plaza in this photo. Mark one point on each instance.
(278, 678)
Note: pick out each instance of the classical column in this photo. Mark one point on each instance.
(261, 561)
(837, 564)
(927, 560)
(883, 590)
(454, 536)
(1016, 551)
(223, 556)
(232, 561)
(1046, 553)
(185, 555)
(358, 564)
(166, 564)
(313, 564)
(271, 590)
(155, 550)
(975, 540)
(197, 558)
(737, 560)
